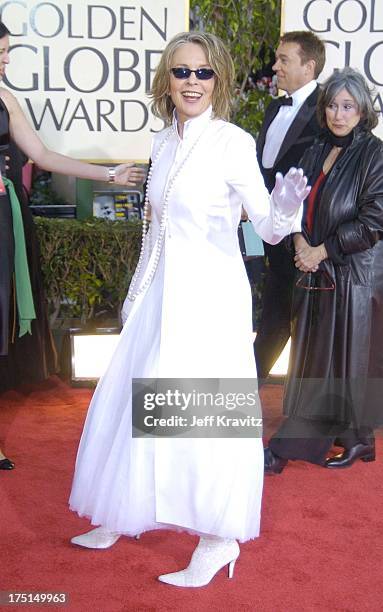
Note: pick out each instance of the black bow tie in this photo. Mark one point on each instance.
(284, 101)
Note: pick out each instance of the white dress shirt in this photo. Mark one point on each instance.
(279, 126)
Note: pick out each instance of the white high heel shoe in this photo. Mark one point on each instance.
(211, 554)
(96, 538)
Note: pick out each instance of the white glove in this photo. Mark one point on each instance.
(290, 190)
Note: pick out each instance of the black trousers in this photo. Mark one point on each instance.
(308, 440)
(274, 326)
(255, 269)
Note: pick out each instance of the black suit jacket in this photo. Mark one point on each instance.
(300, 136)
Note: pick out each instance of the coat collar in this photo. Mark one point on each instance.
(318, 153)
(193, 127)
(358, 132)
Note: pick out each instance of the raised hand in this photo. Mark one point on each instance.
(290, 190)
(129, 175)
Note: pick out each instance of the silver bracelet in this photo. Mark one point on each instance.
(111, 175)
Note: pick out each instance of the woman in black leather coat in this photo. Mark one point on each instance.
(334, 390)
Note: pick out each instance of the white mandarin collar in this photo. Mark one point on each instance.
(194, 126)
(303, 93)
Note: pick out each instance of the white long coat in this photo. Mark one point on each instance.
(194, 321)
(206, 301)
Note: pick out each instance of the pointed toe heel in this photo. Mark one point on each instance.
(96, 538)
(211, 555)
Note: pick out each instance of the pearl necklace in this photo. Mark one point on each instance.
(133, 293)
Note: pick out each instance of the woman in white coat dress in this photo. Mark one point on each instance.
(188, 314)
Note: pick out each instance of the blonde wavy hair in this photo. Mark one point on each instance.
(218, 58)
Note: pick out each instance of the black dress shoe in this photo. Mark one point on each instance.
(273, 463)
(6, 464)
(365, 452)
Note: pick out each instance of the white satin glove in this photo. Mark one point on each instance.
(290, 190)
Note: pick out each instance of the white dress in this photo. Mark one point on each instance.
(194, 320)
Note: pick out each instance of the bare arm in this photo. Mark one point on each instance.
(29, 142)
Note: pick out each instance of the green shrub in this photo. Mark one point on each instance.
(87, 265)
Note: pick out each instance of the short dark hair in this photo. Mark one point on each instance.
(311, 48)
(356, 85)
(4, 30)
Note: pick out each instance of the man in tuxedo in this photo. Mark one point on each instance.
(289, 128)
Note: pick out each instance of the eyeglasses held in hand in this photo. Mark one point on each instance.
(202, 74)
(312, 281)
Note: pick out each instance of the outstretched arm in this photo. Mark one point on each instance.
(273, 216)
(29, 142)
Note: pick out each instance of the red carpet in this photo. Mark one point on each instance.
(321, 547)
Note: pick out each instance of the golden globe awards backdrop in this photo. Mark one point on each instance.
(352, 31)
(82, 69)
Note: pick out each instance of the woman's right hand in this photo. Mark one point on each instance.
(290, 190)
(129, 175)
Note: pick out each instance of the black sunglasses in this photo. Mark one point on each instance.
(202, 74)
